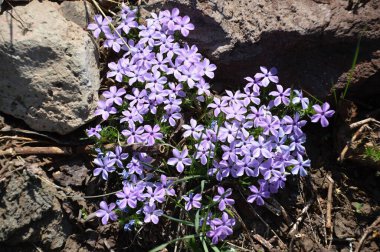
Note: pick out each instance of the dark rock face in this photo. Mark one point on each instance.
(30, 212)
(311, 42)
(364, 82)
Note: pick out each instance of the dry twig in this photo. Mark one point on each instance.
(323, 220)
(156, 149)
(275, 203)
(301, 217)
(362, 122)
(263, 242)
(345, 149)
(329, 203)
(366, 233)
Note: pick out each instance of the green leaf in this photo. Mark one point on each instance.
(189, 178)
(202, 185)
(204, 244)
(188, 223)
(352, 68)
(196, 221)
(215, 248)
(164, 245)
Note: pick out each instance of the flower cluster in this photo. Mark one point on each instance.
(161, 96)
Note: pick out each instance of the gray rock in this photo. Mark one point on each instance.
(30, 212)
(49, 73)
(80, 13)
(311, 42)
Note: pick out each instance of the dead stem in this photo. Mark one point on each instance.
(301, 217)
(329, 203)
(367, 231)
(347, 146)
(362, 122)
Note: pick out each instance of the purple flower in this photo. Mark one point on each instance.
(104, 110)
(129, 226)
(99, 25)
(300, 99)
(299, 165)
(258, 195)
(229, 152)
(220, 228)
(267, 76)
(251, 96)
(281, 96)
(155, 78)
(166, 185)
(192, 129)
(322, 113)
(106, 212)
(189, 75)
(161, 63)
(203, 152)
(222, 198)
(176, 90)
(114, 96)
(117, 70)
(172, 104)
(246, 166)
(233, 97)
(268, 169)
(94, 131)
(105, 165)
(135, 166)
(132, 116)
(151, 214)
(136, 74)
(293, 124)
(192, 201)
(137, 97)
(203, 89)
(115, 42)
(118, 156)
(184, 25)
(229, 132)
(235, 111)
(222, 169)
(152, 134)
(172, 118)
(156, 195)
(127, 196)
(180, 159)
(277, 182)
(170, 17)
(256, 115)
(132, 134)
(208, 68)
(150, 37)
(254, 83)
(128, 20)
(270, 124)
(261, 148)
